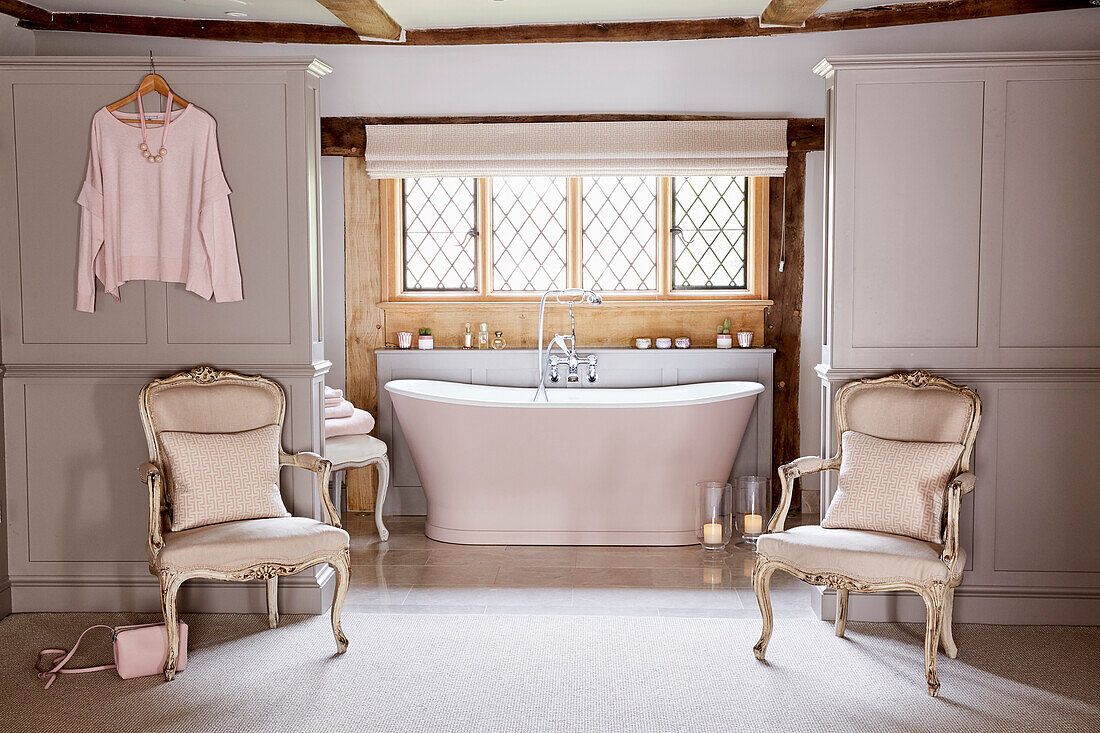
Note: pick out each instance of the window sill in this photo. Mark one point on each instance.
(609, 302)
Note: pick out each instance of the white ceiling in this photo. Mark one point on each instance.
(441, 13)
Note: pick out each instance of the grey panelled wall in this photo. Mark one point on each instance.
(961, 238)
(75, 513)
(618, 368)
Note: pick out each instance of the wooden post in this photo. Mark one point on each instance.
(365, 320)
(783, 324)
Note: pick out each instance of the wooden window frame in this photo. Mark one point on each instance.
(755, 294)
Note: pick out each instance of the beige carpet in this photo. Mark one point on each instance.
(557, 673)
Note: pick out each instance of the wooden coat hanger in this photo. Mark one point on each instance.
(153, 82)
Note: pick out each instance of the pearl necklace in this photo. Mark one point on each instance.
(144, 146)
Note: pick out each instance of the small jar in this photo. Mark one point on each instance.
(483, 336)
(664, 343)
(498, 340)
(744, 339)
(642, 343)
(683, 342)
(725, 341)
(404, 339)
(425, 342)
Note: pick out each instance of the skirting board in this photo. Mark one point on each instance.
(306, 593)
(5, 597)
(973, 605)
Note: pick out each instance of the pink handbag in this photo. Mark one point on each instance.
(140, 651)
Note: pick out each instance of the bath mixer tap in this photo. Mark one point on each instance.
(550, 363)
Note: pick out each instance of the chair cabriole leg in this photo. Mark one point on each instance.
(169, 587)
(949, 647)
(841, 611)
(383, 467)
(761, 579)
(933, 603)
(273, 602)
(342, 565)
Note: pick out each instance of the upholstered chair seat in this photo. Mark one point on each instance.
(869, 557)
(234, 545)
(905, 443)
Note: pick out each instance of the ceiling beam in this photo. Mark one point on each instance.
(347, 136)
(366, 17)
(882, 16)
(24, 11)
(789, 12)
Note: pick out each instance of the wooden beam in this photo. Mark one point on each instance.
(365, 321)
(783, 324)
(24, 11)
(366, 17)
(882, 16)
(789, 12)
(345, 136)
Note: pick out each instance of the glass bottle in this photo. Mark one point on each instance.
(498, 340)
(467, 338)
(483, 336)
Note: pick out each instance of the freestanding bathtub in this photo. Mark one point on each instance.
(589, 467)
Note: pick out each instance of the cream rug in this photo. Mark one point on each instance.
(557, 673)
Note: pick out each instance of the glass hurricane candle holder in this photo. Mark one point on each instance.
(752, 494)
(714, 515)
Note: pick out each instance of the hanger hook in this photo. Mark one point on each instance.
(152, 64)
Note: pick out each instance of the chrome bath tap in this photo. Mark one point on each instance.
(549, 363)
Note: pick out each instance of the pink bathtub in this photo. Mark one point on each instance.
(590, 467)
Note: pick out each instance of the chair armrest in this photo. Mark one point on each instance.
(323, 468)
(788, 472)
(809, 464)
(961, 484)
(151, 476)
(965, 482)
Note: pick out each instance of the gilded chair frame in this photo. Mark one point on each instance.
(938, 596)
(170, 578)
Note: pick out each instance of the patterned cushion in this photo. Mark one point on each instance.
(893, 486)
(222, 477)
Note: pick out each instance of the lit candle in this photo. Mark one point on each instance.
(712, 534)
(754, 524)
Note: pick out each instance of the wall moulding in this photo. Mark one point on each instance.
(962, 374)
(152, 371)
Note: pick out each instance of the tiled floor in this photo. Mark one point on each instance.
(413, 574)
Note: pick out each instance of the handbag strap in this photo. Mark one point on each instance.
(63, 657)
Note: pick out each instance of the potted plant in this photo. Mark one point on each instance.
(725, 339)
(425, 340)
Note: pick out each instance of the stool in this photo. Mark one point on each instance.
(357, 451)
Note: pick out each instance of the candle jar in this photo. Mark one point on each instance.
(752, 495)
(714, 515)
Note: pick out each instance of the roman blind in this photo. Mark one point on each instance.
(659, 148)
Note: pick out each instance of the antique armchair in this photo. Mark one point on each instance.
(203, 400)
(901, 407)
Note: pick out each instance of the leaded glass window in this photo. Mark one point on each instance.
(619, 221)
(529, 233)
(709, 217)
(440, 247)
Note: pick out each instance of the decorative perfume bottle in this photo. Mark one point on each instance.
(483, 336)
(467, 338)
(498, 340)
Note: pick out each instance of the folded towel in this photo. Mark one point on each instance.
(331, 393)
(334, 401)
(360, 423)
(341, 409)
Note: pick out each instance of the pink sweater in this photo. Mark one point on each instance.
(167, 221)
